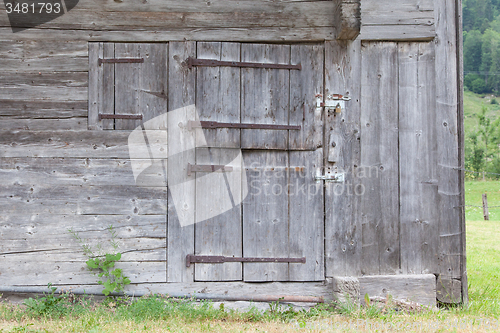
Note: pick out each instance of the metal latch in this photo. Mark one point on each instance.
(333, 103)
(330, 177)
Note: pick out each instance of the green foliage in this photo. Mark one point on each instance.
(112, 279)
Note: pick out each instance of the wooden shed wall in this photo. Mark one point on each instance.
(56, 174)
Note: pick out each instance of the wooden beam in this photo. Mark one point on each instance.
(347, 14)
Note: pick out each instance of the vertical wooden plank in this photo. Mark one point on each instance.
(153, 82)
(379, 155)
(218, 99)
(181, 94)
(218, 212)
(306, 235)
(127, 83)
(218, 93)
(417, 158)
(95, 52)
(451, 229)
(107, 86)
(304, 86)
(343, 231)
(265, 96)
(265, 215)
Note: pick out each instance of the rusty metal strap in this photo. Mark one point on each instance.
(192, 62)
(120, 116)
(121, 61)
(214, 124)
(192, 259)
(208, 168)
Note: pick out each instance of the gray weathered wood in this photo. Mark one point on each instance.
(418, 159)
(264, 34)
(347, 15)
(379, 157)
(181, 90)
(26, 109)
(218, 93)
(486, 214)
(343, 229)
(75, 124)
(266, 216)
(304, 86)
(401, 20)
(265, 96)
(414, 288)
(218, 99)
(447, 119)
(306, 214)
(449, 290)
(127, 85)
(79, 144)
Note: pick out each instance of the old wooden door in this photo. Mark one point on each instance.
(282, 215)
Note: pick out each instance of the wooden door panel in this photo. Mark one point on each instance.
(265, 96)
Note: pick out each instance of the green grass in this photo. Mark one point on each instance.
(472, 106)
(473, 197)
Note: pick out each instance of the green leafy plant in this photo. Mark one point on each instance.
(111, 278)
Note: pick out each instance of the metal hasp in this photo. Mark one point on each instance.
(120, 116)
(330, 177)
(192, 62)
(214, 124)
(121, 61)
(334, 102)
(192, 259)
(208, 168)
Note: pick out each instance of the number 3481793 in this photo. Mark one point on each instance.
(33, 8)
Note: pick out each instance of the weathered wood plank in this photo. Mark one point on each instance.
(60, 55)
(218, 99)
(127, 85)
(181, 208)
(266, 216)
(218, 93)
(95, 88)
(306, 215)
(304, 86)
(231, 14)
(401, 33)
(419, 214)
(343, 230)
(449, 290)
(70, 124)
(71, 171)
(379, 138)
(49, 233)
(85, 200)
(451, 225)
(271, 34)
(265, 96)
(415, 288)
(44, 79)
(42, 109)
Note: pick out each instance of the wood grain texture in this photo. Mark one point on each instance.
(379, 157)
(29, 109)
(266, 216)
(218, 99)
(343, 231)
(418, 146)
(265, 96)
(181, 94)
(306, 214)
(304, 86)
(414, 288)
(401, 20)
(347, 15)
(451, 225)
(78, 144)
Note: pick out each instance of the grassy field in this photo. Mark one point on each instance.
(472, 106)
(158, 314)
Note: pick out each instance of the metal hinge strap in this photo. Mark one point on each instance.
(120, 116)
(208, 168)
(214, 124)
(192, 259)
(191, 62)
(121, 61)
